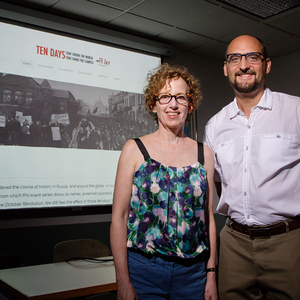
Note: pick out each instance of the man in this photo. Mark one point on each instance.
(256, 144)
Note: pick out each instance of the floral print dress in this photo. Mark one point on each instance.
(167, 206)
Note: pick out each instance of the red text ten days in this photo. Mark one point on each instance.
(52, 52)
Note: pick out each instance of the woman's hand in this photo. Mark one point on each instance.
(211, 292)
(126, 292)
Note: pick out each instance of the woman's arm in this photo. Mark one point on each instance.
(118, 230)
(211, 287)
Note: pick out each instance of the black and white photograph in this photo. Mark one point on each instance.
(45, 113)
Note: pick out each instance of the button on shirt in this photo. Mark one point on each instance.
(258, 159)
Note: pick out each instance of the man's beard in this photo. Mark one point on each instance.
(245, 87)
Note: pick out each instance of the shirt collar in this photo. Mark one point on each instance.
(265, 102)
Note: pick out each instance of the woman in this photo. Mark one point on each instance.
(159, 222)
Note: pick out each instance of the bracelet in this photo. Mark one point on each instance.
(210, 270)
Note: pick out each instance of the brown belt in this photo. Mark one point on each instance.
(265, 231)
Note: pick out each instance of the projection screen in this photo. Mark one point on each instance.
(67, 106)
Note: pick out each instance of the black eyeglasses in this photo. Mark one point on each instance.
(251, 57)
(181, 98)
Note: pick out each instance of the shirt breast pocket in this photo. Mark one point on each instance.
(282, 146)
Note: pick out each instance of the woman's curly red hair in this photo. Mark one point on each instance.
(163, 75)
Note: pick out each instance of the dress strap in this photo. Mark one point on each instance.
(147, 156)
(200, 153)
(142, 148)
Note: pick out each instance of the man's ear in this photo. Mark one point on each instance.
(225, 69)
(268, 65)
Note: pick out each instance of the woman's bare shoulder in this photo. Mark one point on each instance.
(131, 154)
(130, 148)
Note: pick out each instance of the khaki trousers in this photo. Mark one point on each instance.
(267, 268)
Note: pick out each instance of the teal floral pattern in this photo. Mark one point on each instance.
(166, 212)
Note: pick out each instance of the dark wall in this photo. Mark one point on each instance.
(34, 245)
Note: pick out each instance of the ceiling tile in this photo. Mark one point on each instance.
(284, 47)
(41, 2)
(174, 12)
(85, 9)
(262, 8)
(200, 17)
(136, 24)
(182, 40)
(213, 49)
(266, 33)
(289, 22)
(219, 23)
(33, 3)
(120, 4)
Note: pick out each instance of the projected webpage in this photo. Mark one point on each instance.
(67, 107)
